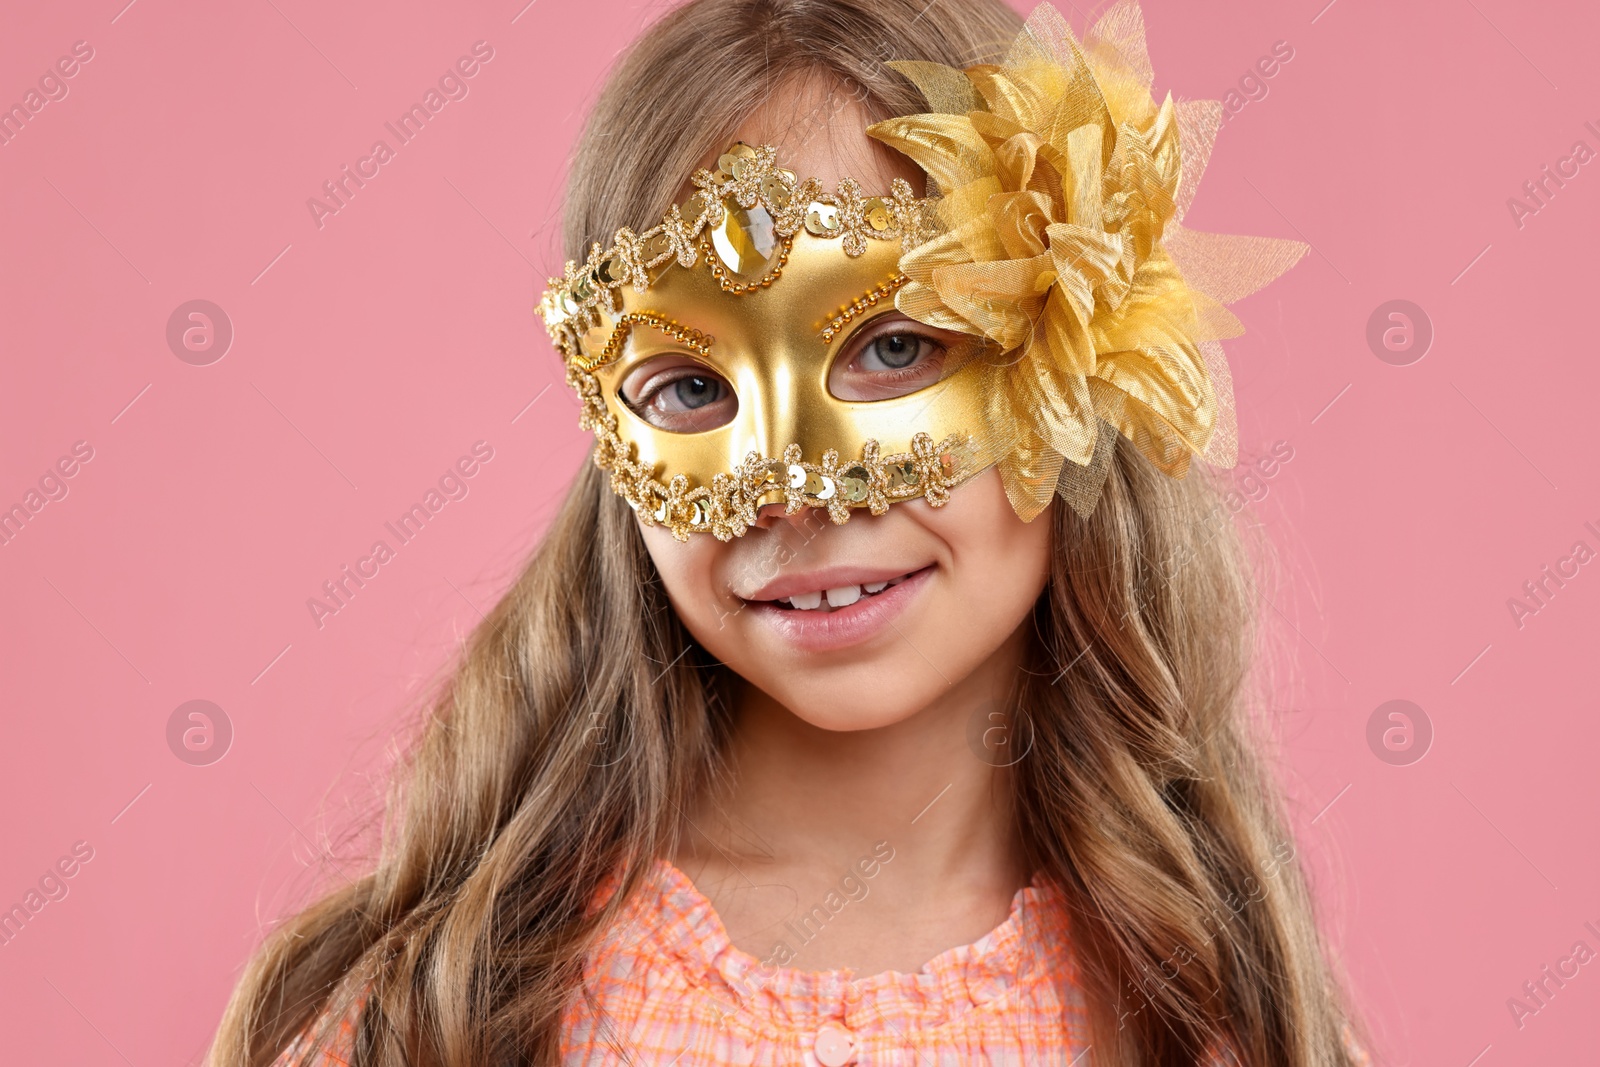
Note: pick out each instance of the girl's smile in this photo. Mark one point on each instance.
(837, 607)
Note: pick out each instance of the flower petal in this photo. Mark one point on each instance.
(946, 89)
(1021, 220)
(1051, 394)
(1085, 259)
(1198, 124)
(1000, 298)
(1229, 266)
(1024, 96)
(1029, 473)
(946, 146)
(1151, 377)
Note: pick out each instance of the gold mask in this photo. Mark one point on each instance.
(764, 280)
(1055, 247)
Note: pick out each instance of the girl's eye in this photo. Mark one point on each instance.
(893, 351)
(891, 358)
(681, 398)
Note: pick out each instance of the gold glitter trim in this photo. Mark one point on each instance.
(728, 506)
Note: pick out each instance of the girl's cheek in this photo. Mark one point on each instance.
(688, 572)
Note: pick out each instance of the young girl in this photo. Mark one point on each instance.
(882, 705)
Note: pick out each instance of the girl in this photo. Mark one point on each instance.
(882, 705)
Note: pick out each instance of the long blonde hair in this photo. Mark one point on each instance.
(1142, 795)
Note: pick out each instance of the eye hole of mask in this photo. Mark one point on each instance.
(888, 357)
(679, 394)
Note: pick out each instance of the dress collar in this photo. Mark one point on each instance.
(671, 921)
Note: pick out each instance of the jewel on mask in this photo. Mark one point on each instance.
(777, 188)
(876, 212)
(694, 208)
(746, 241)
(733, 163)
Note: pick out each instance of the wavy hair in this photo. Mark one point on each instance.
(1142, 796)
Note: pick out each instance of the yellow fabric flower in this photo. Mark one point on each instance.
(1062, 184)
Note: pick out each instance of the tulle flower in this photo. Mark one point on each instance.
(1063, 185)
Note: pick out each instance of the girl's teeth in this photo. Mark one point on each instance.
(844, 596)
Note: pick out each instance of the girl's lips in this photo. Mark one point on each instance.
(823, 631)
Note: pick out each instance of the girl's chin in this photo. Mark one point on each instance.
(834, 719)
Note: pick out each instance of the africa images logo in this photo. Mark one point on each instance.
(452, 85)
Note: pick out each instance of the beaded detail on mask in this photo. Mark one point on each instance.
(741, 217)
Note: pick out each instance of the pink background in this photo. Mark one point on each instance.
(370, 353)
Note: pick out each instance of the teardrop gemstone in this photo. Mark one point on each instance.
(746, 240)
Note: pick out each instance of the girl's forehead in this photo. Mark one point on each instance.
(819, 128)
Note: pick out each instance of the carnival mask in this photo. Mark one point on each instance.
(1054, 254)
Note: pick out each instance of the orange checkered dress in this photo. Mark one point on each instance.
(667, 988)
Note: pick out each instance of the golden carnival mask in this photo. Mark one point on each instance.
(1054, 249)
